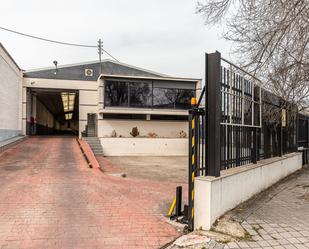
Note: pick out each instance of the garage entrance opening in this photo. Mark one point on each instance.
(52, 112)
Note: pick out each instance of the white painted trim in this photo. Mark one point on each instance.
(151, 78)
(144, 111)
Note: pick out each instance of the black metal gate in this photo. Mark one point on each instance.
(224, 123)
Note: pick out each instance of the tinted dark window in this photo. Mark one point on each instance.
(116, 93)
(172, 98)
(140, 94)
(164, 98)
(143, 95)
(183, 98)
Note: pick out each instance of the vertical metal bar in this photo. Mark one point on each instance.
(280, 140)
(260, 106)
(198, 145)
(196, 130)
(242, 102)
(252, 102)
(178, 201)
(232, 117)
(202, 141)
(237, 146)
(230, 90)
(213, 113)
(191, 165)
(254, 145)
(307, 124)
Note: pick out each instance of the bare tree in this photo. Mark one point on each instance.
(270, 39)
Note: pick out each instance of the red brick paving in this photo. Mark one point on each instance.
(50, 199)
(88, 153)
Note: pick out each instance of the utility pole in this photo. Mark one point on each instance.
(100, 52)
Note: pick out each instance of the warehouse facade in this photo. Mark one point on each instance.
(130, 110)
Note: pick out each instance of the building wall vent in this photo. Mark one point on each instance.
(88, 72)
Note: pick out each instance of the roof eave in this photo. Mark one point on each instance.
(150, 78)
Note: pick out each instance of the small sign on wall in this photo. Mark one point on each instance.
(283, 118)
(89, 72)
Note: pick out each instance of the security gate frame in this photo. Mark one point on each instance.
(223, 132)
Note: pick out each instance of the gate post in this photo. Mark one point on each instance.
(193, 118)
(213, 112)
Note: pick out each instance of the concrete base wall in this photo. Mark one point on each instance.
(7, 134)
(215, 196)
(145, 146)
(164, 129)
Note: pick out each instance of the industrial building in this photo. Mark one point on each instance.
(126, 109)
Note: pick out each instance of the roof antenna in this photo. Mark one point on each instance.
(100, 52)
(56, 64)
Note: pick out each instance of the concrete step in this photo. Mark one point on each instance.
(97, 150)
(95, 145)
(94, 142)
(98, 153)
(92, 137)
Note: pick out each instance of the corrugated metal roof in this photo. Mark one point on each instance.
(77, 71)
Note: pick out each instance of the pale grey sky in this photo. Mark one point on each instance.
(161, 35)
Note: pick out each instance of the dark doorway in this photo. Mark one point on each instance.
(52, 112)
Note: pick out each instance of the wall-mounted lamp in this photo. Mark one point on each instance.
(56, 64)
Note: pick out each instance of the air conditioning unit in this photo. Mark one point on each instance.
(88, 72)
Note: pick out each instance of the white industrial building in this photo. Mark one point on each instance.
(129, 110)
(10, 97)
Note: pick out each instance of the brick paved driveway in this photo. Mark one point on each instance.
(50, 199)
(277, 218)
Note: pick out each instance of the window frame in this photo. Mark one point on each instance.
(146, 81)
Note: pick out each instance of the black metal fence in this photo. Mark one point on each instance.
(237, 122)
(303, 130)
(303, 136)
(240, 115)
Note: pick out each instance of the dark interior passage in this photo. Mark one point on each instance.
(52, 112)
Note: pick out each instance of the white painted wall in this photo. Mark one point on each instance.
(10, 97)
(216, 195)
(145, 146)
(165, 129)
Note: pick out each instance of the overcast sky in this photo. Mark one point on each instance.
(161, 35)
